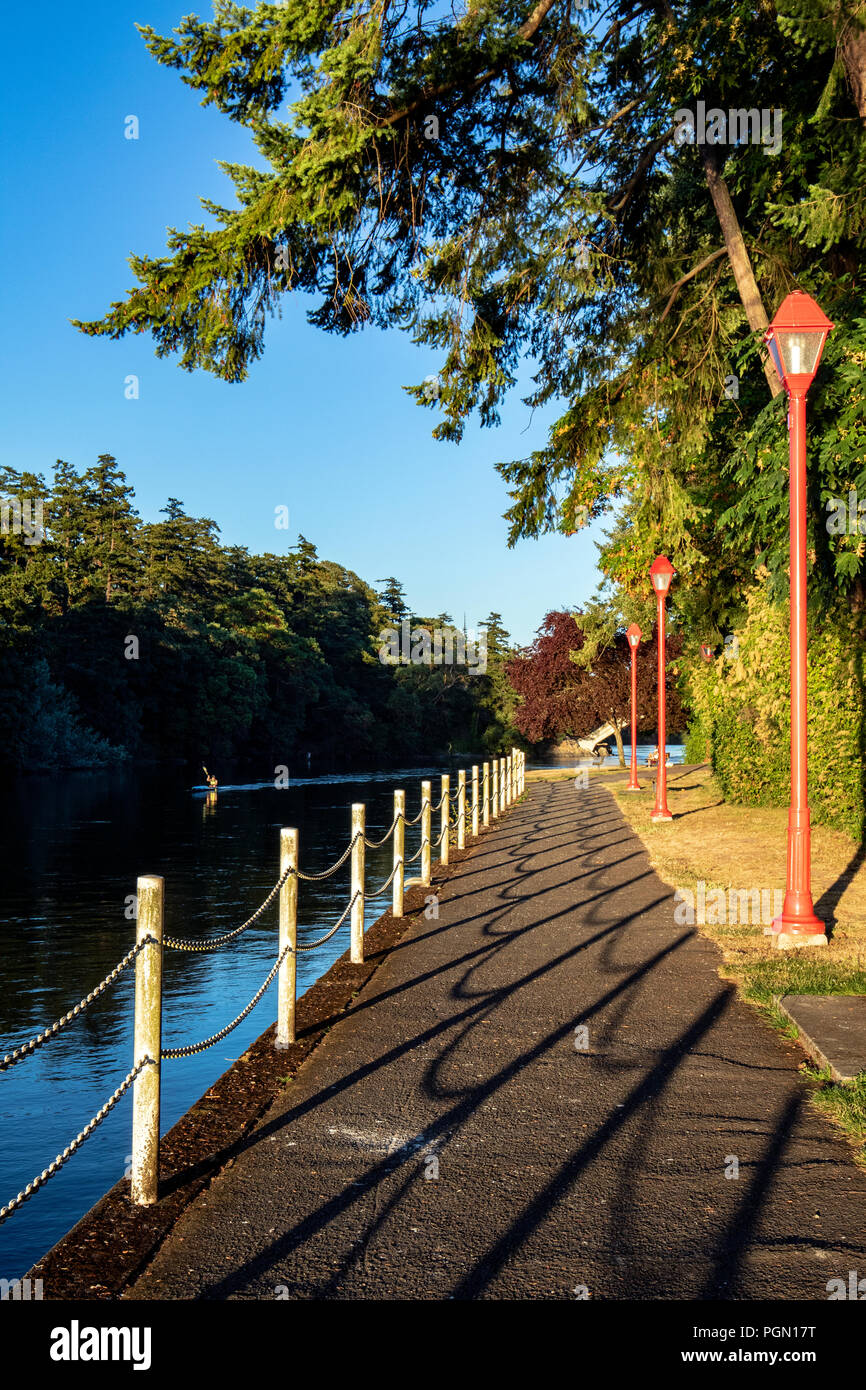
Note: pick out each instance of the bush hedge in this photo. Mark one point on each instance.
(741, 714)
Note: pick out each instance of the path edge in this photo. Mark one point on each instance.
(112, 1243)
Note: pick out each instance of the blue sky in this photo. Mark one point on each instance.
(321, 425)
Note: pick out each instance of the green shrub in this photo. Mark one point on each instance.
(741, 714)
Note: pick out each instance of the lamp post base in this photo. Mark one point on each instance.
(790, 933)
(661, 815)
(635, 788)
(791, 940)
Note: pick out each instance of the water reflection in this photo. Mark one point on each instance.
(71, 848)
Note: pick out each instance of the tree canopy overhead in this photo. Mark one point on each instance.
(508, 182)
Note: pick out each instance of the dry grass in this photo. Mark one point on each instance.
(730, 846)
(744, 847)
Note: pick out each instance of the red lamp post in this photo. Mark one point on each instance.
(634, 634)
(661, 573)
(796, 340)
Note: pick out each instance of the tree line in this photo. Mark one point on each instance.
(152, 640)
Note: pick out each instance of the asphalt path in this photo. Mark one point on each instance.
(545, 1092)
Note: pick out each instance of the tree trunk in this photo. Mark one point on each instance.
(852, 51)
(618, 736)
(739, 258)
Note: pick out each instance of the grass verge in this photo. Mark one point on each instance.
(724, 846)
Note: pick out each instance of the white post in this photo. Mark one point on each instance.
(494, 790)
(485, 801)
(445, 821)
(358, 857)
(475, 801)
(509, 772)
(399, 852)
(461, 809)
(287, 976)
(147, 1042)
(426, 831)
(501, 786)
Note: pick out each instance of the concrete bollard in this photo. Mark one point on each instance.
(445, 821)
(147, 1042)
(485, 799)
(287, 976)
(474, 803)
(399, 852)
(426, 831)
(494, 789)
(461, 809)
(357, 889)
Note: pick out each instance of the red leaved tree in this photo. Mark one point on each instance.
(560, 699)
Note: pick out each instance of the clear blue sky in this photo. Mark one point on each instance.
(321, 425)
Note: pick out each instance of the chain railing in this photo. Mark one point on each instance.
(26, 1049)
(54, 1167)
(489, 796)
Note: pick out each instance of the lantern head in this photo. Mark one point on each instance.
(634, 634)
(796, 340)
(661, 574)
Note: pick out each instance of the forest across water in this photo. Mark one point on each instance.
(124, 640)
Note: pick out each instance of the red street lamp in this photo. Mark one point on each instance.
(796, 340)
(634, 634)
(706, 651)
(661, 573)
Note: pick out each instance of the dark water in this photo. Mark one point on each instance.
(70, 851)
(71, 848)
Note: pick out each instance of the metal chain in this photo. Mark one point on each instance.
(309, 878)
(377, 844)
(418, 853)
(440, 837)
(374, 892)
(171, 1053)
(181, 943)
(415, 819)
(312, 945)
(40, 1181)
(19, 1053)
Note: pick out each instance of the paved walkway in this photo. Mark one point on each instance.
(558, 1168)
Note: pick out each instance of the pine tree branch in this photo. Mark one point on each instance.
(526, 31)
(690, 275)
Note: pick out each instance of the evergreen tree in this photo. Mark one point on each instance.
(393, 598)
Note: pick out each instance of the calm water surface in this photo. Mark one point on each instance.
(70, 851)
(71, 848)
